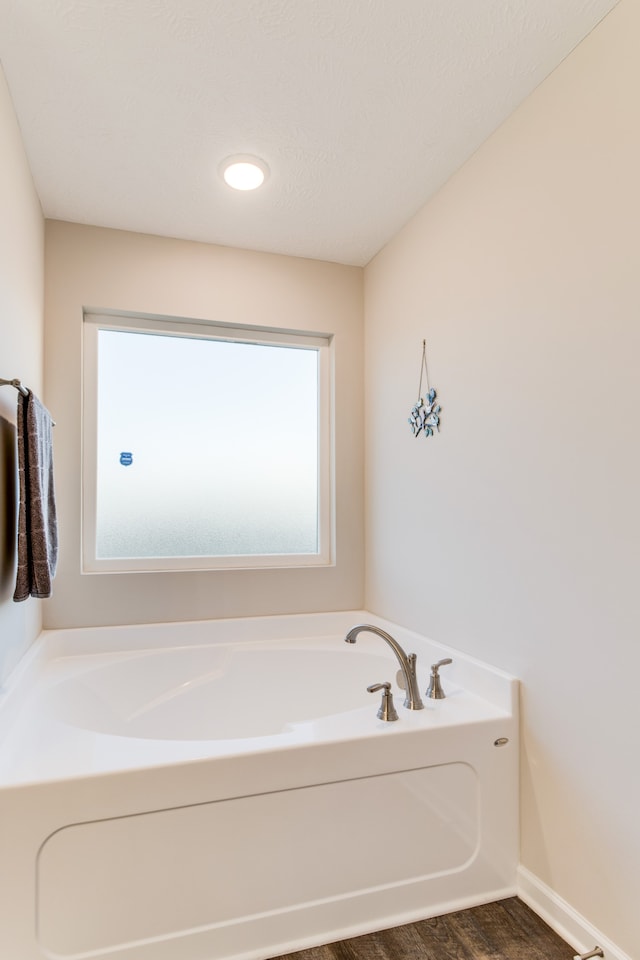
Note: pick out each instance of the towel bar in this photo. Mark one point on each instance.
(20, 388)
(15, 383)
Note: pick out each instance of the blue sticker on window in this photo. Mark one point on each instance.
(126, 459)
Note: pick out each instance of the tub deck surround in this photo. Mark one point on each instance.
(227, 789)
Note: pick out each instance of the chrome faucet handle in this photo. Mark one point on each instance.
(387, 710)
(434, 690)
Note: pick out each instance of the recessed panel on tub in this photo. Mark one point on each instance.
(111, 883)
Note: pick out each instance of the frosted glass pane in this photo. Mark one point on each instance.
(205, 447)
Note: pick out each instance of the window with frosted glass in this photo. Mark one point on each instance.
(204, 448)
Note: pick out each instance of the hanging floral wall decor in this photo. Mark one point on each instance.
(425, 415)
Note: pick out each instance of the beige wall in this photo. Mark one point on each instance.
(21, 294)
(515, 534)
(92, 267)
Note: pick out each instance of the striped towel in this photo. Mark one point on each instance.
(37, 525)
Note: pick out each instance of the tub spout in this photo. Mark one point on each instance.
(407, 662)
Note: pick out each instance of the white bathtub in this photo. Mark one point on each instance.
(224, 790)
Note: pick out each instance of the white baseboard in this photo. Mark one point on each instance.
(561, 917)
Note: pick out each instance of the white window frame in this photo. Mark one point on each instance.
(94, 321)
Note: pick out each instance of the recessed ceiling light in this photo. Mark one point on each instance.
(244, 172)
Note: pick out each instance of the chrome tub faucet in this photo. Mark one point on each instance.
(407, 663)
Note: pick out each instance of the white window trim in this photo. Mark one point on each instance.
(176, 326)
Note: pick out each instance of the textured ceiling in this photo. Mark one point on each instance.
(361, 108)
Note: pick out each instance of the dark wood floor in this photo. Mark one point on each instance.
(506, 930)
